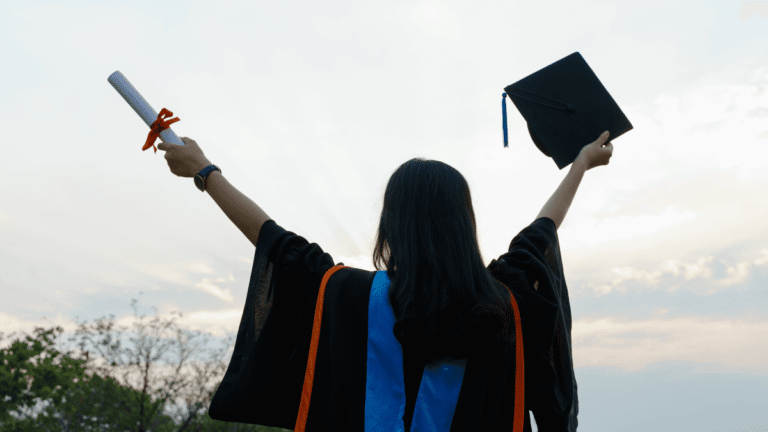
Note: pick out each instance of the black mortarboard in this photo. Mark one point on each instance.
(566, 108)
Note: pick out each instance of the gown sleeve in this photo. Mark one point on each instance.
(533, 271)
(264, 380)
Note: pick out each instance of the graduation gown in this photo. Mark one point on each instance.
(330, 362)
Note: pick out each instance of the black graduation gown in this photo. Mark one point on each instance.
(265, 378)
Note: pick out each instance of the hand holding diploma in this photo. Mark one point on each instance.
(184, 156)
(157, 123)
(186, 160)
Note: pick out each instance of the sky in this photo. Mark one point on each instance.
(309, 107)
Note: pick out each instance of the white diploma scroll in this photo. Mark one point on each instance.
(140, 105)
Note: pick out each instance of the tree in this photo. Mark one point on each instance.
(138, 367)
(33, 369)
(98, 404)
(99, 392)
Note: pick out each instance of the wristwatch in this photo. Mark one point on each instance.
(202, 177)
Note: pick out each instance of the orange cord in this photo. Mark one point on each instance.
(158, 126)
(309, 376)
(517, 425)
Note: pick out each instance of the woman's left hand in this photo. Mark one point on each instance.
(184, 160)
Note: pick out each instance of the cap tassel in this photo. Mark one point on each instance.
(504, 116)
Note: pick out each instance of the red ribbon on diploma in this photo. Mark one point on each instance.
(158, 126)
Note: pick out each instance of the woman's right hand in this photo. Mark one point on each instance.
(594, 154)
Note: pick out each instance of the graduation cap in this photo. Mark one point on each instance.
(566, 108)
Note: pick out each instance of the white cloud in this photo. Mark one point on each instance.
(207, 286)
(634, 345)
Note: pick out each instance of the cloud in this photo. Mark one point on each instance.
(207, 286)
(636, 344)
(759, 112)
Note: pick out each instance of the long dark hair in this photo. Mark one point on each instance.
(445, 301)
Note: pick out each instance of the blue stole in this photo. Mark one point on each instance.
(385, 384)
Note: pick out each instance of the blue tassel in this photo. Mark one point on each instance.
(504, 115)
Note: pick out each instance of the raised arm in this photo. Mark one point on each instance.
(244, 213)
(591, 155)
(560, 201)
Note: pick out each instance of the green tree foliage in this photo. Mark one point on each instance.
(84, 394)
(35, 371)
(99, 404)
(33, 368)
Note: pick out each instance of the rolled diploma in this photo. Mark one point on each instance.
(142, 108)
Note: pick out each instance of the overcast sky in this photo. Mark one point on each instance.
(309, 107)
